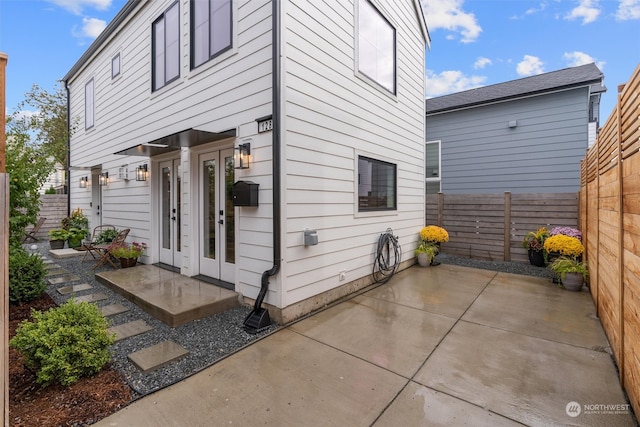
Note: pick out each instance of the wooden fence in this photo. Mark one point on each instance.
(610, 222)
(54, 208)
(492, 226)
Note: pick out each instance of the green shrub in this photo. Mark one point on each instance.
(26, 276)
(65, 343)
(50, 190)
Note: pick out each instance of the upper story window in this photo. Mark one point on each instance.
(376, 185)
(166, 48)
(376, 46)
(89, 104)
(432, 163)
(115, 66)
(210, 29)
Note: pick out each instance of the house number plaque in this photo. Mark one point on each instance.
(265, 125)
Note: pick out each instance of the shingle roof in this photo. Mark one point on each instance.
(569, 77)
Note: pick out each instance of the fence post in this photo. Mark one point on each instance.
(507, 226)
(4, 249)
(621, 311)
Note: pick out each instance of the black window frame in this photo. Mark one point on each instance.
(365, 201)
(163, 17)
(211, 55)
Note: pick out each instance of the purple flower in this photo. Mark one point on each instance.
(567, 231)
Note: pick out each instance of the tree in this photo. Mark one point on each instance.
(28, 167)
(49, 123)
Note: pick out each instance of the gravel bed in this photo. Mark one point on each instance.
(207, 340)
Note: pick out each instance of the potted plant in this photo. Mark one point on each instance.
(572, 272)
(76, 235)
(77, 219)
(426, 253)
(106, 236)
(567, 231)
(57, 237)
(533, 242)
(127, 254)
(564, 245)
(432, 235)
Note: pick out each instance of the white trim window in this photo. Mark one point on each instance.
(376, 54)
(432, 164)
(166, 48)
(377, 183)
(89, 105)
(115, 66)
(211, 29)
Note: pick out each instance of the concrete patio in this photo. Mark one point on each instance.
(444, 345)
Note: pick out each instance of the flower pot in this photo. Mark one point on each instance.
(422, 260)
(573, 281)
(56, 244)
(536, 258)
(128, 262)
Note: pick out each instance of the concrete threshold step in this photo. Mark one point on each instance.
(157, 356)
(65, 253)
(169, 297)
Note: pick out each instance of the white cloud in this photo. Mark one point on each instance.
(77, 6)
(449, 15)
(481, 62)
(529, 66)
(577, 58)
(92, 27)
(450, 82)
(587, 10)
(628, 9)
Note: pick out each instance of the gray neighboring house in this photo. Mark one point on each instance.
(523, 136)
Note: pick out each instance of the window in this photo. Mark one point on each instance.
(88, 105)
(115, 66)
(166, 48)
(432, 163)
(376, 46)
(210, 29)
(376, 185)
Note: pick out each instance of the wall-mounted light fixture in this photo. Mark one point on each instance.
(104, 178)
(142, 172)
(243, 156)
(84, 181)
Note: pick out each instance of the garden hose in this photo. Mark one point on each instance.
(388, 257)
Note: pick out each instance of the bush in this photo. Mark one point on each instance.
(50, 190)
(26, 276)
(65, 343)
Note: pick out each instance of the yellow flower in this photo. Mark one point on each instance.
(433, 233)
(565, 245)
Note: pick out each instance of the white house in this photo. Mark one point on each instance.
(328, 96)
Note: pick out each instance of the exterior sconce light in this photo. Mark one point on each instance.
(84, 181)
(104, 178)
(243, 156)
(142, 172)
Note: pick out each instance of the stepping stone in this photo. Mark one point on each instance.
(91, 297)
(113, 309)
(130, 329)
(157, 356)
(65, 253)
(50, 265)
(47, 261)
(75, 288)
(56, 272)
(63, 279)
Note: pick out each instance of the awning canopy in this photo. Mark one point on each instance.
(185, 138)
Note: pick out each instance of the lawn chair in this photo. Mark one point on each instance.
(90, 246)
(31, 235)
(103, 249)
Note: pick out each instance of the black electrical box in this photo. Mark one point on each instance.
(245, 193)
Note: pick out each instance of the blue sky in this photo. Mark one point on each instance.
(474, 42)
(483, 42)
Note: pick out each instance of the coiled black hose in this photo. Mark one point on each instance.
(388, 257)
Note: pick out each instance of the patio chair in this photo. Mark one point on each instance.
(90, 245)
(103, 249)
(31, 235)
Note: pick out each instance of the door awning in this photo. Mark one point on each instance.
(185, 138)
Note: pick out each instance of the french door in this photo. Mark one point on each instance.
(170, 190)
(216, 215)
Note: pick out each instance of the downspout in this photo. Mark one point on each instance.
(259, 317)
(68, 170)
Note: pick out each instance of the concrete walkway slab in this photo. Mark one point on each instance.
(56, 272)
(91, 297)
(113, 309)
(527, 379)
(129, 329)
(157, 356)
(63, 279)
(65, 290)
(65, 253)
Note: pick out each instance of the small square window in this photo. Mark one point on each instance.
(376, 185)
(89, 105)
(432, 163)
(115, 66)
